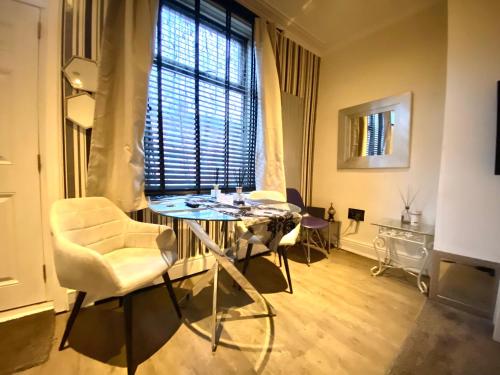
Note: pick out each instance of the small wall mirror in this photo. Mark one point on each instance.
(376, 134)
(80, 109)
(81, 73)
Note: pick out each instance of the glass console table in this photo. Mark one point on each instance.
(390, 231)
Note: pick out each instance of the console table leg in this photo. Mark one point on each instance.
(422, 285)
(377, 270)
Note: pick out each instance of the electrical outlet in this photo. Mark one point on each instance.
(356, 214)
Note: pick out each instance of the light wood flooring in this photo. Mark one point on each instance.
(340, 320)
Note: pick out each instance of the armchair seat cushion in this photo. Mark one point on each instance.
(137, 267)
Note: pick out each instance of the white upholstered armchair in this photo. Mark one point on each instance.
(99, 250)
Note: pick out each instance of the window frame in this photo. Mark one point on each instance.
(249, 93)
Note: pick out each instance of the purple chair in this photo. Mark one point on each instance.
(310, 223)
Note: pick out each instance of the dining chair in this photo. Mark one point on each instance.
(286, 241)
(310, 223)
(99, 250)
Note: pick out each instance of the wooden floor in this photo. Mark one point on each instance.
(340, 320)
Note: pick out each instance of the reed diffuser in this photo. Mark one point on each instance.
(407, 202)
(216, 191)
(238, 198)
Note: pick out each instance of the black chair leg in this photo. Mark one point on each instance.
(127, 309)
(247, 258)
(72, 317)
(285, 260)
(279, 255)
(170, 289)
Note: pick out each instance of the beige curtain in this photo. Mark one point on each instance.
(116, 165)
(269, 160)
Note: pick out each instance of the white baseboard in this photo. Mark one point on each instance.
(357, 247)
(25, 311)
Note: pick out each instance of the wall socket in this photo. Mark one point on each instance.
(356, 214)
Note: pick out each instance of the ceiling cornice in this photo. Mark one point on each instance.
(292, 30)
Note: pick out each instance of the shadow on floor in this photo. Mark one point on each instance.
(99, 331)
(266, 276)
(297, 254)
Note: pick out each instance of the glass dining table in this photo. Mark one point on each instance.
(266, 220)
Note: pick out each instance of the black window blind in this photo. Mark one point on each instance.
(202, 98)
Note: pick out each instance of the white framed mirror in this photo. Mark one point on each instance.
(376, 134)
(81, 73)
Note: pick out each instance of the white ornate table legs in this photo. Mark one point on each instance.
(378, 242)
(385, 241)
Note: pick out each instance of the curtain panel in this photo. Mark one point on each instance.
(82, 33)
(116, 164)
(269, 159)
(298, 72)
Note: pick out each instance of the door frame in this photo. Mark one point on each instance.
(50, 135)
(49, 147)
(49, 143)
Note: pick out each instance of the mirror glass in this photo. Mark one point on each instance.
(375, 134)
(372, 134)
(81, 73)
(80, 109)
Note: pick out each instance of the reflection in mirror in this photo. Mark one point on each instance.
(81, 73)
(372, 134)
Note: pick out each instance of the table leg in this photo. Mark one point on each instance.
(378, 270)
(214, 306)
(329, 225)
(422, 285)
(226, 263)
(308, 248)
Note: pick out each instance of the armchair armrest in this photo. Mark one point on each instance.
(83, 269)
(153, 236)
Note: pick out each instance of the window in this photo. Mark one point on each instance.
(201, 117)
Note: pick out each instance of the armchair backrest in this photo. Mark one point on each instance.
(93, 222)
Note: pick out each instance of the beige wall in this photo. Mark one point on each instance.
(407, 56)
(468, 215)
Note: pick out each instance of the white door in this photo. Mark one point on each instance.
(21, 252)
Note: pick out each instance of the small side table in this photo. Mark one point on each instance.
(332, 234)
(390, 231)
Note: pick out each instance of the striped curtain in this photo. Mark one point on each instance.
(81, 35)
(298, 71)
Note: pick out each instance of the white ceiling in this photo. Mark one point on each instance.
(326, 25)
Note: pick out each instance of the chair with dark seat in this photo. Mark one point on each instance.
(311, 223)
(99, 250)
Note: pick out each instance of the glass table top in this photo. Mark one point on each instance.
(421, 228)
(207, 208)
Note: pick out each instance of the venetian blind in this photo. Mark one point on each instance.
(201, 114)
